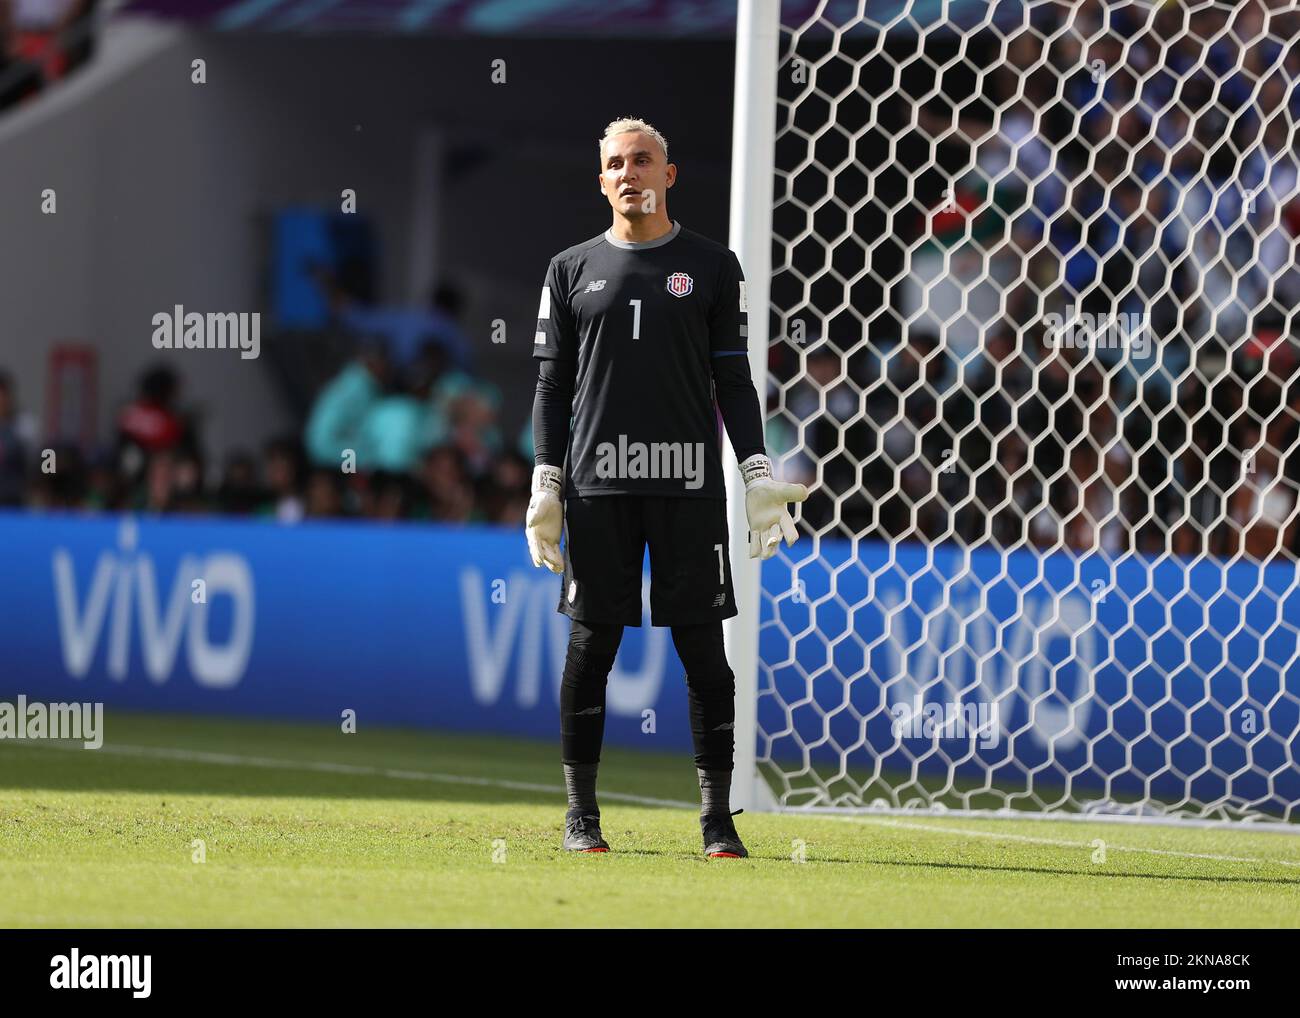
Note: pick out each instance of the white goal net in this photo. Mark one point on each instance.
(1033, 339)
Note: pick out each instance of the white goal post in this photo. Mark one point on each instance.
(1031, 280)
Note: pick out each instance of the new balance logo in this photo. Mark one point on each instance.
(594, 286)
(590, 710)
(719, 601)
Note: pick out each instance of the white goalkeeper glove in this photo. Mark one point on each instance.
(545, 520)
(765, 507)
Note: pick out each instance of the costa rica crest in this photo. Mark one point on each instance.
(680, 284)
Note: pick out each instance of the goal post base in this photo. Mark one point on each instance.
(753, 795)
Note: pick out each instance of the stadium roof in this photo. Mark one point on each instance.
(698, 18)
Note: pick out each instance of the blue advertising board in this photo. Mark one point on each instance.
(406, 624)
(1169, 677)
(1132, 677)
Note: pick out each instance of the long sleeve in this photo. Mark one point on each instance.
(552, 410)
(732, 384)
(738, 402)
(556, 349)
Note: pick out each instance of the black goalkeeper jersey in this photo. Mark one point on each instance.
(641, 323)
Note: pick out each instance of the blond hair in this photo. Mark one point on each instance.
(625, 125)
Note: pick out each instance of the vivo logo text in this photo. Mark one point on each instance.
(127, 584)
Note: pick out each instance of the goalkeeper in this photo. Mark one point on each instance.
(638, 331)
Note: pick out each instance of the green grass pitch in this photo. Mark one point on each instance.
(305, 826)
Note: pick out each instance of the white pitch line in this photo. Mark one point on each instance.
(326, 767)
(1059, 842)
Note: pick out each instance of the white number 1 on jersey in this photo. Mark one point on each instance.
(636, 318)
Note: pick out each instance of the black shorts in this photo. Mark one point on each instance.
(605, 537)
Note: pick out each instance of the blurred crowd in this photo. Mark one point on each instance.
(383, 441)
(1033, 448)
(41, 41)
(1136, 170)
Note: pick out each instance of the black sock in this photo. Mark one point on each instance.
(715, 792)
(580, 784)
